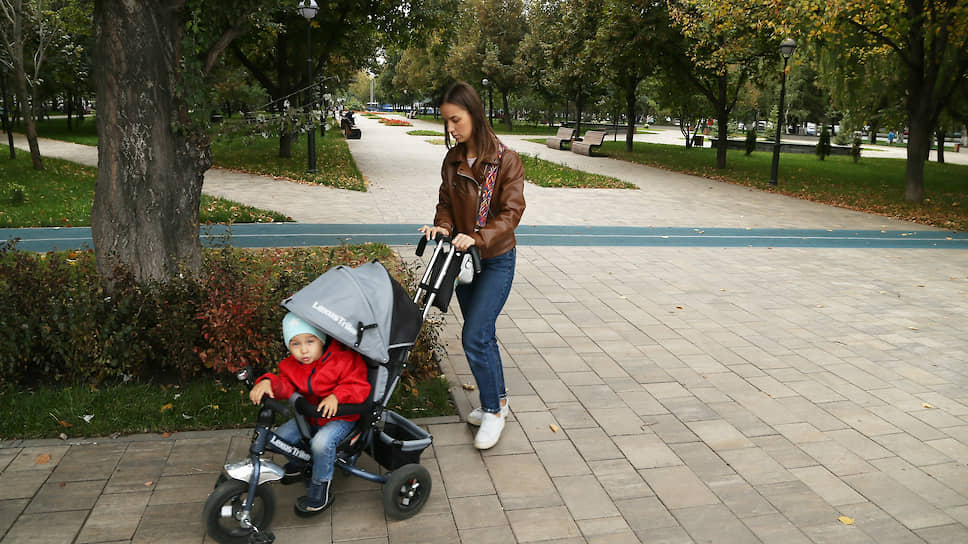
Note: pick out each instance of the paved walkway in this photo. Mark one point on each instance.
(676, 394)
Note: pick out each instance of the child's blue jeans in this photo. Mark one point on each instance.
(323, 443)
(481, 301)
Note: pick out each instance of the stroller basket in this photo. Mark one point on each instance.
(400, 443)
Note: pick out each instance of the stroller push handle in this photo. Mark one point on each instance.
(439, 238)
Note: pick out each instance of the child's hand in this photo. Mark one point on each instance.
(262, 388)
(327, 407)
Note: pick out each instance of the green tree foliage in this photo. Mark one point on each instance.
(573, 70)
(926, 43)
(629, 43)
(491, 32)
(723, 44)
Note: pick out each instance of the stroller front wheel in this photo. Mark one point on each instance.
(406, 491)
(223, 511)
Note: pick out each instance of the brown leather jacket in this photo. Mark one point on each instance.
(459, 200)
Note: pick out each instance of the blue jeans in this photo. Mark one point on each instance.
(323, 444)
(480, 302)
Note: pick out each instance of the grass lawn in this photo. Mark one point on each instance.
(88, 410)
(873, 185)
(335, 166)
(61, 195)
(549, 174)
(254, 154)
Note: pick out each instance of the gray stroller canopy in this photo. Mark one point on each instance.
(364, 308)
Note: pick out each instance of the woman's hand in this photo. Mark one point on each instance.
(327, 407)
(262, 388)
(463, 242)
(432, 232)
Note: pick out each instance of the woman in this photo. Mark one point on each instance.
(480, 204)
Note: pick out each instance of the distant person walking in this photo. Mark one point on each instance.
(890, 138)
(480, 203)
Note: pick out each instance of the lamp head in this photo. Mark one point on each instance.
(787, 47)
(308, 9)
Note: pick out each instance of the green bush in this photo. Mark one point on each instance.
(750, 141)
(59, 327)
(823, 146)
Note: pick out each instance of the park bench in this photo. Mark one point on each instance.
(349, 128)
(559, 140)
(592, 139)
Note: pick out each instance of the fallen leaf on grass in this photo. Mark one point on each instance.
(63, 423)
(846, 521)
(42, 459)
(87, 418)
(167, 407)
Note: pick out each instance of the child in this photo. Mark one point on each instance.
(326, 373)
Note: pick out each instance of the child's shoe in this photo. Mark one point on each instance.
(317, 499)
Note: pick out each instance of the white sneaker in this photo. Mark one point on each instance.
(490, 431)
(474, 418)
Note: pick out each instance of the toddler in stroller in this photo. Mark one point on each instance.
(326, 374)
(368, 312)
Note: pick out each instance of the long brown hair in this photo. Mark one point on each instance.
(485, 142)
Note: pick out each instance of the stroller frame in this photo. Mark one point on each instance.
(406, 485)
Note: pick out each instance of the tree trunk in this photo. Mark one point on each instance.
(6, 113)
(69, 105)
(579, 102)
(507, 110)
(939, 136)
(26, 104)
(149, 181)
(918, 145)
(874, 126)
(630, 115)
(722, 115)
(285, 144)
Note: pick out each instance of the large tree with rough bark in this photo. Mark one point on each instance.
(152, 61)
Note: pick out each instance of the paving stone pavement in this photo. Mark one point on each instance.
(658, 394)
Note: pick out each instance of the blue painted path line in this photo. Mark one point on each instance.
(303, 234)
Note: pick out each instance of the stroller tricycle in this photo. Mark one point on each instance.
(367, 310)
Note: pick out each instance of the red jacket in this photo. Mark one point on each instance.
(340, 371)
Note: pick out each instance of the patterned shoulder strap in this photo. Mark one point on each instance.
(490, 177)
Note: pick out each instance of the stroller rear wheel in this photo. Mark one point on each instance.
(406, 491)
(223, 510)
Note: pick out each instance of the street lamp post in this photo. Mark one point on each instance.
(786, 49)
(308, 9)
(490, 103)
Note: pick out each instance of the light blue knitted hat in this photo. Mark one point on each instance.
(293, 325)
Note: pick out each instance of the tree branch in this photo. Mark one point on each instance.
(217, 48)
(880, 36)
